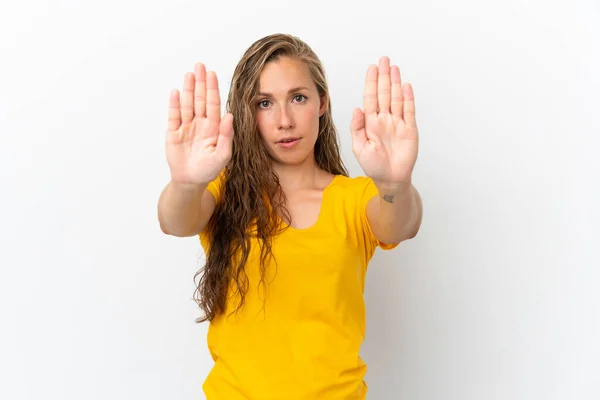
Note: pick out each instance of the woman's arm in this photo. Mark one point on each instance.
(185, 209)
(396, 214)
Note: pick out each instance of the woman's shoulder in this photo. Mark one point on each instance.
(349, 183)
(357, 189)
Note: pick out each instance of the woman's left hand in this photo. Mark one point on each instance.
(385, 135)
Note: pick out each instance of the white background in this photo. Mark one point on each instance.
(496, 298)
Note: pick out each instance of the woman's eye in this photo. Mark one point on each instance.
(263, 103)
(299, 98)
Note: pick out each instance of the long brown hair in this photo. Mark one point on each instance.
(252, 196)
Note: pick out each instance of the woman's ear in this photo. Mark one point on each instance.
(323, 106)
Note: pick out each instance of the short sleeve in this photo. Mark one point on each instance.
(367, 192)
(216, 189)
(216, 186)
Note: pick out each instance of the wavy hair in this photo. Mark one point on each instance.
(252, 198)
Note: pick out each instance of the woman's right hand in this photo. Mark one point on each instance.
(199, 141)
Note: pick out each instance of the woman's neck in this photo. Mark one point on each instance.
(305, 176)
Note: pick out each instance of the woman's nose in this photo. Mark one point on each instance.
(286, 120)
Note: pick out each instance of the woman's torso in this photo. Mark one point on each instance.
(298, 335)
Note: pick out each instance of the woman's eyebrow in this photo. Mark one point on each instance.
(296, 89)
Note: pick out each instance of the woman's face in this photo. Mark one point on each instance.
(288, 111)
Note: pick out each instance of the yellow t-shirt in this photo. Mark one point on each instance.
(303, 342)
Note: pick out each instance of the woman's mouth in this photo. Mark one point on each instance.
(288, 143)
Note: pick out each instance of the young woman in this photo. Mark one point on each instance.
(287, 233)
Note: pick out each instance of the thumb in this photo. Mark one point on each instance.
(225, 140)
(357, 127)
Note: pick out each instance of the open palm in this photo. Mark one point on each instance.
(385, 135)
(198, 142)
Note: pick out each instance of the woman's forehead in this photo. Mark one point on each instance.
(283, 75)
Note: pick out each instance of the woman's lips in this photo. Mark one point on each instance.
(289, 145)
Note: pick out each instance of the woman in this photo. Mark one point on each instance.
(287, 233)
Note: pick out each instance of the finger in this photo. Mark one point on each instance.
(174, 111)
(383, 85)
(225, 141)
(370, 96)
(409, 105)
(213, 100)
(187, 98)
(357, 128)
(200, 90)
(397, 98)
